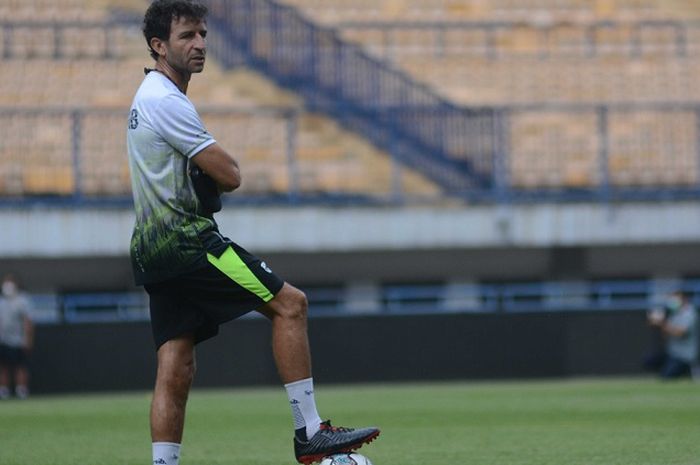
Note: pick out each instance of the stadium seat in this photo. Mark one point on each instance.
(653, 149)
(336, 11)
(31, 42)
(553, 150)
(531, 52)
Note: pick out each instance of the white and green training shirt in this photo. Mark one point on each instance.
(164, 133)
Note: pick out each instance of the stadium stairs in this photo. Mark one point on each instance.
(583, 74)
(452, 146)
(452, 117)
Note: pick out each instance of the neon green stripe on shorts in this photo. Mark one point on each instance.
(232, 266)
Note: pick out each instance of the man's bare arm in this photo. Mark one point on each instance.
(220, 166)
(28, 333)
(675, 331)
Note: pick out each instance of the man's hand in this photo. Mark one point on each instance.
(656, 317)
(674, 331)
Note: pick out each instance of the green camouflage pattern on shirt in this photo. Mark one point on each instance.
(166, 238)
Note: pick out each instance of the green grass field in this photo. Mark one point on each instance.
(578, 422)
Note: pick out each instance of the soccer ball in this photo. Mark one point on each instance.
(346, 459)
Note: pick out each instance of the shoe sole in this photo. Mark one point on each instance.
(309, 459)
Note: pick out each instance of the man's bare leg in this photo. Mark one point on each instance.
(290, 342)
(176, 367)
(313, 440)
(290, 347)
(4, 382)
(22, 382)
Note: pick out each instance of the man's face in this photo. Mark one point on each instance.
(187, 46)
(9, 287)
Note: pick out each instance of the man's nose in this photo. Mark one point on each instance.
(200, 42)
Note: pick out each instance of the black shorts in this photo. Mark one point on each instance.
(197, 302)
(13, 356)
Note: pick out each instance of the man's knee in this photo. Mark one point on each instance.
(299, 304)
(189, 369)
(178, 375)
(292, 304)
(176, 363)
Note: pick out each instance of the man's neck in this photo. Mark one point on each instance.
(180, 80)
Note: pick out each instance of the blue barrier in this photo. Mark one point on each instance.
(104, 307)
(547, 296)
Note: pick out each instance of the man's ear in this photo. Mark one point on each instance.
(158, 45)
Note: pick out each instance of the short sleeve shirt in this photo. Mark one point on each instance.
(685, 347)
(164, 133)
(13, 311)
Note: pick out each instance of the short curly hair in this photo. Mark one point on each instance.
(161, 13)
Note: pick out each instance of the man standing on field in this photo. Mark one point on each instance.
(16, 338)
(196, 278)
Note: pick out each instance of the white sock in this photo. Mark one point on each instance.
(166, 453)
(301, 399)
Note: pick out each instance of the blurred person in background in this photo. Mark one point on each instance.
(16, 339)
(677, 324)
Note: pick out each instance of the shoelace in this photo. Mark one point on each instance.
(340, 429)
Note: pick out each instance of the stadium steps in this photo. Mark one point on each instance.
(569, 75)
(404, 118)
(538, 53)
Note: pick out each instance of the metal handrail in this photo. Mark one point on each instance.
(404, 117)
(509, 297)
(603, 190)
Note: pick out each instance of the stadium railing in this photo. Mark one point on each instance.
(92, 167)
(606, 295)
(453, 146)
(467, 151)
(91, 308)
(531, 165)
(404, 299)
(359, 90)
(66, 39)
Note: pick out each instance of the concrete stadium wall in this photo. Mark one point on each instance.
(63, 250)
(106, 273)
(57, 232)
(76, 358)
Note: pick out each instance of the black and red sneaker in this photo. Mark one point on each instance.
(331, 440)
